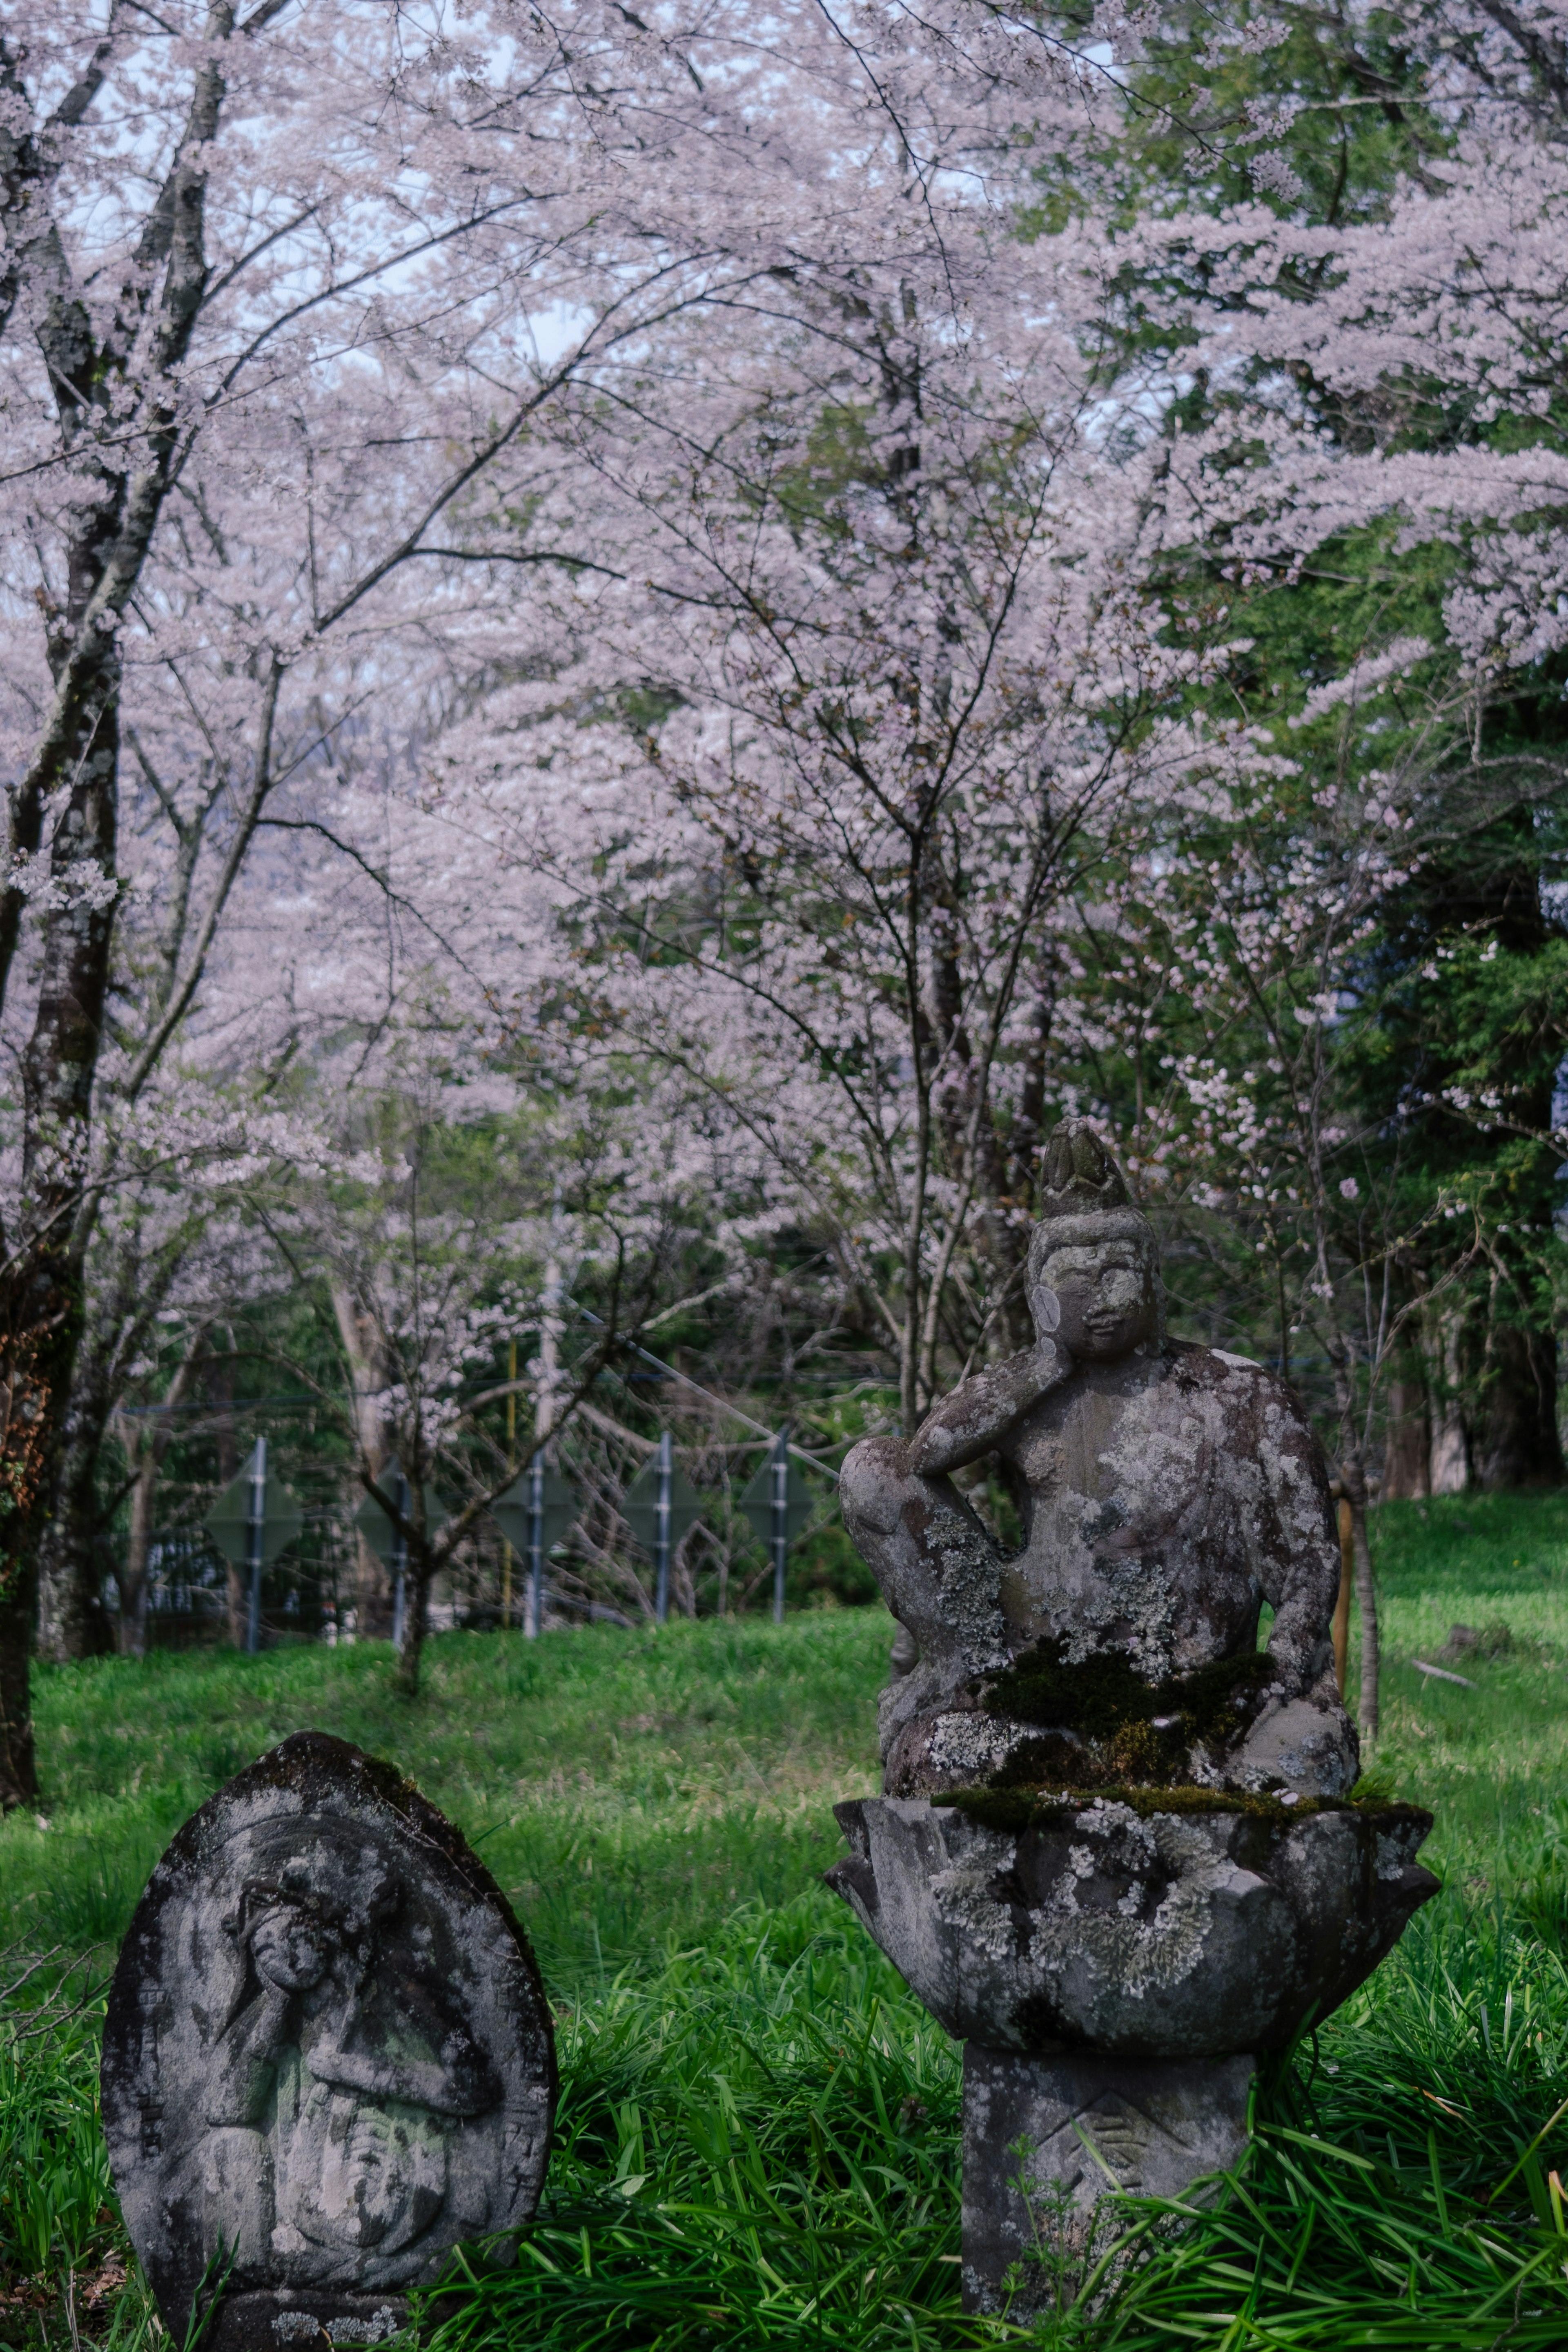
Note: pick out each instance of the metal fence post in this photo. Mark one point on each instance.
(256, 1527)
(661, 1537)
(400, 1562)
(781, 1519)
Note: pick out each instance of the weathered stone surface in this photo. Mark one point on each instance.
(328, 2055)
(1136, 1891)
(1149, 2126)
(1176, 1935)
(1166, 1491)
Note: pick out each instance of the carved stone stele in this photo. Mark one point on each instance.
(326, 2059)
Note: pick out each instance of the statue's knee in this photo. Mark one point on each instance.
(875, 1484)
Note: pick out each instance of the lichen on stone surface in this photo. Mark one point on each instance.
(970, 1743)
(1019, 1809)
(967, 1578)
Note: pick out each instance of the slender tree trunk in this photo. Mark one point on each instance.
(1353, 1477)
(367, 1371)
(1339, 1624)
(72, 1620)
(415, 1615)
(139, 1544)
(1450, 1466)
(221, 1390)
(145, 1448)
(1408, 1457)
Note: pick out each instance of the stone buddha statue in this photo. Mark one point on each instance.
(1118, 1855)
(1166, 1492)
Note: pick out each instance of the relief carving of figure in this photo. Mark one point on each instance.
(327, 2057)
(1165, 1492)
(331, 2104)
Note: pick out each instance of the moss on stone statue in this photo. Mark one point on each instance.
(1105, 1726)
(1014, 1810)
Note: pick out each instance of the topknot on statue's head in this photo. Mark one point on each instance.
(1080, 1177)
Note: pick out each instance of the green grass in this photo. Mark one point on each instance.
(758, 2132)
(626, 1789)
(1483, 1760)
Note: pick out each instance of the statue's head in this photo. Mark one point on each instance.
(291, 1934)
(1094, 1265)
(295, 1933)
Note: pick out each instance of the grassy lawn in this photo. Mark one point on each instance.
(1486, 1761)
(627, 1790)
(758, 2140)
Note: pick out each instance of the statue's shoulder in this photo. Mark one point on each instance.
(1192, 1366)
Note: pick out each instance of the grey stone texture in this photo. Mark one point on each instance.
(1175, 1935)
(326, 2058)
(1149, 2126)
(1165, 1491)
(1089, 1943)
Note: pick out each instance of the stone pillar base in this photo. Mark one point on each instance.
(307, 2320)
(1157, 2125)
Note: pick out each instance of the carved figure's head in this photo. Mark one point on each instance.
(291, 1934)
(1093, 1263)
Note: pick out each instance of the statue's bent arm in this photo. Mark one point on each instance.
(978, 1418)
(245, 2053)
(457, 2084)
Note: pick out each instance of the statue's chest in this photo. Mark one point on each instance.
(1126, 1470)
(1137, 1539)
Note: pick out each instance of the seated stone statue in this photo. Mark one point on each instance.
(1165, 1492)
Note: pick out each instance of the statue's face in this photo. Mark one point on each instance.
(290, 1950)
(1103, 1297)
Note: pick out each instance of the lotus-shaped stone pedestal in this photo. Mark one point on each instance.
(1116, 1965)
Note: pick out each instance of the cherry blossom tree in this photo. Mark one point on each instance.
(281, 283)
(1390, 350)
(864, 680)
(652, 564)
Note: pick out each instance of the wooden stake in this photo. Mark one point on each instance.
(1340, 1627)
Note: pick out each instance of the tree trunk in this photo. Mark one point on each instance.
(415, 1617)
(41, 1300)
(70, 785)
(1339, 1624)
(1408, 1460)
(1354, 1479)
(73, 1621)
(1371, 1647)
(368, 1372)
(34, 1376)
(373, 1596)
(221, 1389)
(1520, 1445)
(133, 1575)
(1450, 1465)
(18, 1777)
